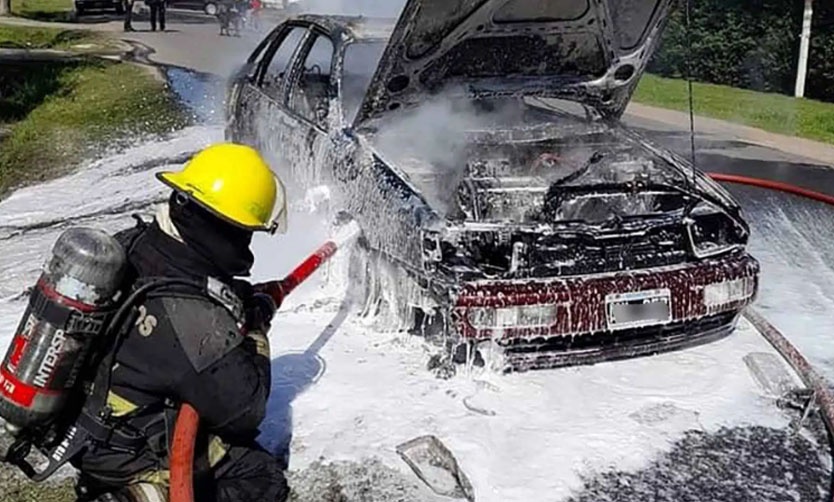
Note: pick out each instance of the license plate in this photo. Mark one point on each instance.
(638, 309)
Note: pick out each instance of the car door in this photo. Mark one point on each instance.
(263, 96)
(311, 97)
(239, 96)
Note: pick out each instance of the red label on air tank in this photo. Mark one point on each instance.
(18, 346)
(16, 391)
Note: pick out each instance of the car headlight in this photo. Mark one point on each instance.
(724, 294)
(520, 316)
(712, 232)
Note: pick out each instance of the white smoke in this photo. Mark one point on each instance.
(367, 8)
(433, 142)
(432, 132)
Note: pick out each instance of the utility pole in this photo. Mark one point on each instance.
(804, 49)
(5, 7)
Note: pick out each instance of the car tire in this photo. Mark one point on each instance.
(120, 9)
(210, 8)
(79, 10)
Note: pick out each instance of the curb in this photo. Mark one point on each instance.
(815, 151)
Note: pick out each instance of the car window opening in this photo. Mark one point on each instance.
(360, 62)
(310, 95)
(273, 78)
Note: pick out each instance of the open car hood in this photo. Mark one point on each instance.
(589, 51)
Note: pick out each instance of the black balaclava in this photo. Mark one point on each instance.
(218, 241)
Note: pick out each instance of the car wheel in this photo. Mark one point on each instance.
(210, 8)
(120, 9)
(79, 9)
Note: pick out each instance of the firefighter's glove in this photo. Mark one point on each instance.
(275, 289)
(259, 310)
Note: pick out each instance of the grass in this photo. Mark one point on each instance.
(46, 38)
(26, 87)
(44, 10)
(70, 110)
(772, 112)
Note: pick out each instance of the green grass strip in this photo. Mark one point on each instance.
(771, 112)
(46, 38)
(83, 106)
(44, 10)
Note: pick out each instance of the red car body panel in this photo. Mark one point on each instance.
(581, 300)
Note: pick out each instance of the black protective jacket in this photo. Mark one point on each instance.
(181, 346)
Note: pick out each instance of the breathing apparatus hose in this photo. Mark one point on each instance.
(185, 431)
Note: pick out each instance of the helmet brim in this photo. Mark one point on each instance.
(176, 182)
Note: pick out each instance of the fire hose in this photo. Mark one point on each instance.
(188, 420)
(185, 431)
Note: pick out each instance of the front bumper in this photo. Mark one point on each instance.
(578, 329)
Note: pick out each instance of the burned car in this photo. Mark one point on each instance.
(478, 144)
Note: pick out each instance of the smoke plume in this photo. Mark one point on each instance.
(368, 8)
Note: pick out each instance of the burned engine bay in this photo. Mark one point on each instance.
(544, 208)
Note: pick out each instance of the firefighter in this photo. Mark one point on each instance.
(157, 8)
(127, 6)
(184, 345)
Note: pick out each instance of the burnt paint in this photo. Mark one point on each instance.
(581, 299)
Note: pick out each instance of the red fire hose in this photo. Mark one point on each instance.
(185, 432)
(773, 185)
(188, 421)
(182, 455)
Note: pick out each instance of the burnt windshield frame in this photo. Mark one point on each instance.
(349, 108)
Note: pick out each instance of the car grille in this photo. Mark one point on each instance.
(660, 248)
(559, 351)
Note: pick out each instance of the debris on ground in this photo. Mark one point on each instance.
(368, 480)
(433, 463)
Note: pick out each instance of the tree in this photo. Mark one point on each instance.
(5, 7)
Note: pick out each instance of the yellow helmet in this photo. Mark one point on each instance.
(235, 183)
